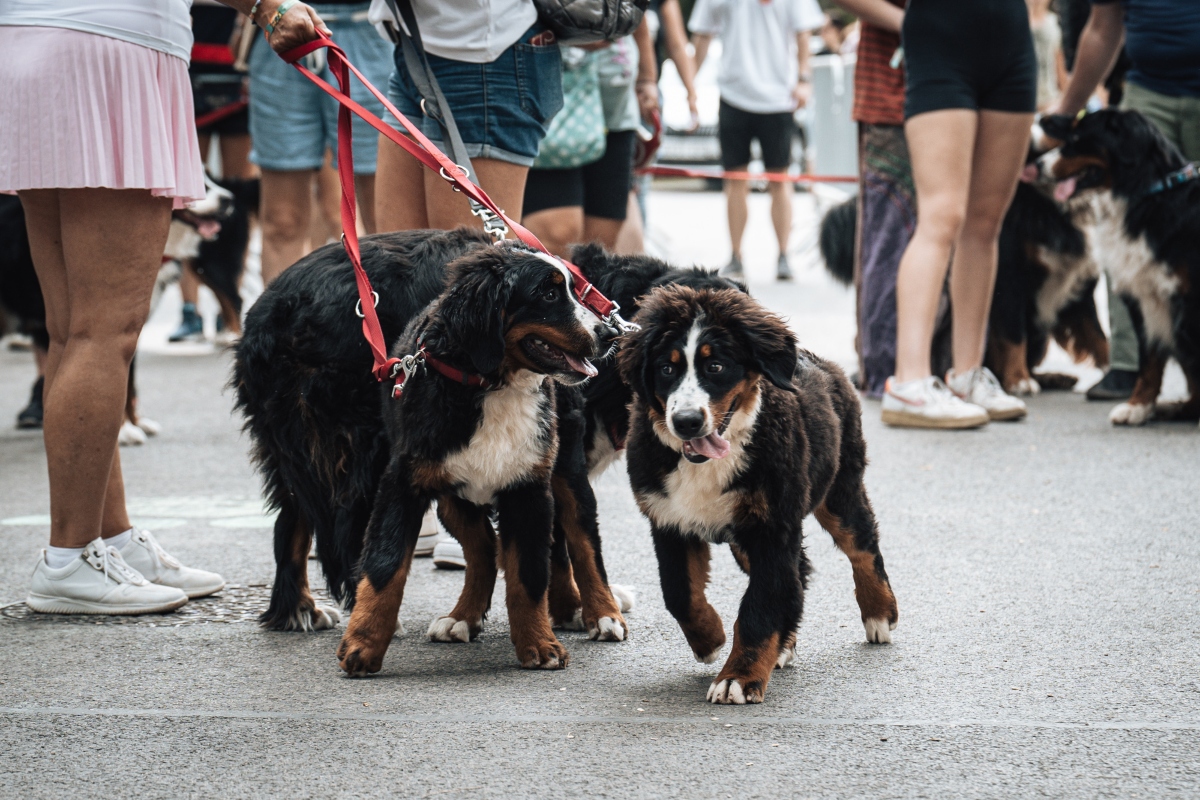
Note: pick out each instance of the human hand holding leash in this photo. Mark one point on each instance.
(286, 24)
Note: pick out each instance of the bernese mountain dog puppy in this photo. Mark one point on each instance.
(1143, 203)
(736, 436)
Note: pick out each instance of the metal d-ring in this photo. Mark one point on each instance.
(466, 173)
(358, 305)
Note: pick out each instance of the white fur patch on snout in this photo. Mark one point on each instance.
(689, 395)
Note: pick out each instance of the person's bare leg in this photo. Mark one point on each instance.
(632, 239)
(285, 216)
(941, 145)
(781, 212)
(503, 181)
(737, 210)
(97, 252)
(364, 188)
(189, 284)
(1001, 143)
(235, 157)
(326, 222)
(603, 230)
(557, 228)
(400, 197)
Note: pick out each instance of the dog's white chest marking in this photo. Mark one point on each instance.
(696, 497)
(1064, 283)
(508, 443)
(603, 454)
(1132, 268)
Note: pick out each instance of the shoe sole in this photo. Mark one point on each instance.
(423, 551)
(1003, 416)
(901, 419)
(449, 563)
(63, 605)
(196, 594)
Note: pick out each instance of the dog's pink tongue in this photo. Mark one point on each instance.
(712, 446)
(208, 228)
(581, 365)
(1029, 174)
(1064, 189)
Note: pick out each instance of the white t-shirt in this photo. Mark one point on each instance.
(163, 25)
(475, 31)
(758, 48)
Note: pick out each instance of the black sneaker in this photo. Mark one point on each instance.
(31, 416)
(1117, 384)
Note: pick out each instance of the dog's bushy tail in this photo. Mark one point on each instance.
(838, 230)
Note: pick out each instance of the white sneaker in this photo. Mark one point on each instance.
(448, 554)
(430, 533)
(98, 582)
(980, 386)
(145, 554)
(927, 403)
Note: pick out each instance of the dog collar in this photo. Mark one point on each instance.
(1176, 178)
(406, 367)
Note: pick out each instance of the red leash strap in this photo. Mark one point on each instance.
(775, 177)
(425, 151)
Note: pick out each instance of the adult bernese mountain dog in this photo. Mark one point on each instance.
(735, 436)
(1143, 200)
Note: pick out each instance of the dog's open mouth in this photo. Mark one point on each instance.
(554, 359)
(702, 449)
(1064, 190)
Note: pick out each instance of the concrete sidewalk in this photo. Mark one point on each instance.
(1046, 573)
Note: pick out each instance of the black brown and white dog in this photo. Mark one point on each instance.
(302, 378)
(735, 436)
(1142, 201)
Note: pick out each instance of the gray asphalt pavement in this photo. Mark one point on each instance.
(1046, 573)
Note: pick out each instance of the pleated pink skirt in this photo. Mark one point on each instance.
(80, 110)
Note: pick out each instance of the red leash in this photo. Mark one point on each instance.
(428, 154)
(775, 177)
(220, 113)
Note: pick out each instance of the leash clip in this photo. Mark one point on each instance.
(615, 320)
(492, 223)
(409, 366)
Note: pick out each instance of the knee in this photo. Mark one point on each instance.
(285, 220)
(983, 226)
(942, 221)
(117, 337)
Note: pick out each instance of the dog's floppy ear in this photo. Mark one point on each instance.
(635, 358)
(773, 346)
(473, 310)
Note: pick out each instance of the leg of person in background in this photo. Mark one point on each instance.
(737, 211)
(775, 133)
(191, 326)
(404, 179)
(235, 163)
(781, 218)
(326, 223)
(30, 416)
(631, 241)
(558, 228)
(603, 230)
(285, 216)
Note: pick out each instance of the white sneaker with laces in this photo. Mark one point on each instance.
(146, 555)
(448, 554)
(98, 582)
(981, 387)
(430, 534)
(928, 403)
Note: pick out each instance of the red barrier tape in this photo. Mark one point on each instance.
(720, 174)
(220, 113)
(425, 151)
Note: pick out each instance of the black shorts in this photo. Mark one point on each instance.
(736, 128)
(217, 87)
(602, 187)
(975, 54)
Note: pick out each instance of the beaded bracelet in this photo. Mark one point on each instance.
(283, 9)
(254, 10)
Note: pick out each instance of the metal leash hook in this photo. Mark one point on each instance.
(409, 365)
(615, 320)
(492, 223)
(358, 312)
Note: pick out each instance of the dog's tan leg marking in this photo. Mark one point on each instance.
(740, 557)
(747, 671)
(1139, 408)
(596, 599)
(872, 590)
(704, 630)
(373, 622)
(529, 620)
(470, 526)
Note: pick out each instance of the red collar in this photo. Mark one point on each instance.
(406, 367)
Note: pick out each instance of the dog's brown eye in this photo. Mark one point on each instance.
(551, 296)
(714, 367)
(667, 369)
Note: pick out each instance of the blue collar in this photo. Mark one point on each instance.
(1176, 178)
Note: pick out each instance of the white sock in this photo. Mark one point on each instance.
(120, 540)
(59, 557)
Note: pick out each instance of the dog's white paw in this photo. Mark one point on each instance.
(149, 426)
(449, 629)
(710, 658)
(317, 618)
(1026, 387)
(575, 623)
(727, 692)
(878, 630)
(787, 657)
(130, 435)
(400, 632)
(607, 630)
(1131, 414)
(625, 596)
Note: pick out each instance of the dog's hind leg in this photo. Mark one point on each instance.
(526, 518)
(566, 609)
(575, 515)
(469, 524)
(292, 607)
(387, 557)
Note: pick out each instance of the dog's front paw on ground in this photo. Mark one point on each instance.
(543, 655)
(879, 630)
(359, 657)
(625, 596)
(732, 692)
(1025, 387)
(304, 619)
(609, 629)
(449, 629)
(1131, 414)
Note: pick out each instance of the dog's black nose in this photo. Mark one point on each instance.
(687, 424)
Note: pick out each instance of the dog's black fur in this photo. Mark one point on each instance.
(795, 447)
(1148, 243)
(20, 292)
(221, 260)
(839, 227)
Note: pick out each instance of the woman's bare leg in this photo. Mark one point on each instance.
(632, 239)
(285, 217)
(97, 252)
(503, 181)
(400, 189)
(1001, 143)
(557, 228)
(941, 145)
(602, 230)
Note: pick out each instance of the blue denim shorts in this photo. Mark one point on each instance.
(292, 122)
(501, 108)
